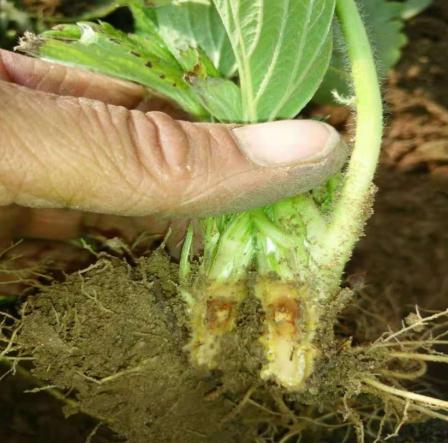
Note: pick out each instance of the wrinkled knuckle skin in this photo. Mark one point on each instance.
(187, 165)
(217, 171)
(162, 150)
(173, 145)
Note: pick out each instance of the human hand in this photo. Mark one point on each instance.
(80, 141)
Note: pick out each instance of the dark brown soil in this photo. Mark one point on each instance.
(405, 251)
(403, 259)
(115, 336)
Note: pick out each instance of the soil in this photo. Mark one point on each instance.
(121, 329)
(90, 343)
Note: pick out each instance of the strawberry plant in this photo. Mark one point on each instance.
(247, 61)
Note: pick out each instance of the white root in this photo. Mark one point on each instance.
(419, 398)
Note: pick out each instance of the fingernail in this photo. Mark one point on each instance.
(286, 142)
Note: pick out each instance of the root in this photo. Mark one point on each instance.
(290, 434)
(8, 336)
(240, 406)
(419, 398)
(360, 389)
(53, 391)
(420, 372)
(423, 357)
(135, 370)
(400, 424)
(421, 322)
(381, 370)
(410, 343)
(377, 403)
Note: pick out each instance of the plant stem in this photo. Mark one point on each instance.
(353, 206)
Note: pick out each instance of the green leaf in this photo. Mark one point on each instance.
(158, 3)
(104, 49)
(195, 62)
(221, 98)
(192, 58)
(282, 47)
(411, 8)
(385, 21)
(386, 31)
(194, 25)
(144, 19)
(337, 78)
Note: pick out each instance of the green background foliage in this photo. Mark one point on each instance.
(189, 27)
(385, 22)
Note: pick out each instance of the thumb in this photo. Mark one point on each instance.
(84, 154)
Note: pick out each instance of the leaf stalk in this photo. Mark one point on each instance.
(354, 205)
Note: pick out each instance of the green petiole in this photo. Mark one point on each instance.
(354, 204)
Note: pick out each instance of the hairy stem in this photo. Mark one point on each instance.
(353, 207)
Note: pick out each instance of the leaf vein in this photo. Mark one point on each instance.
(297, 64)
(276, 54)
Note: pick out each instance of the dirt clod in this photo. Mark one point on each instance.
(115, 336)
